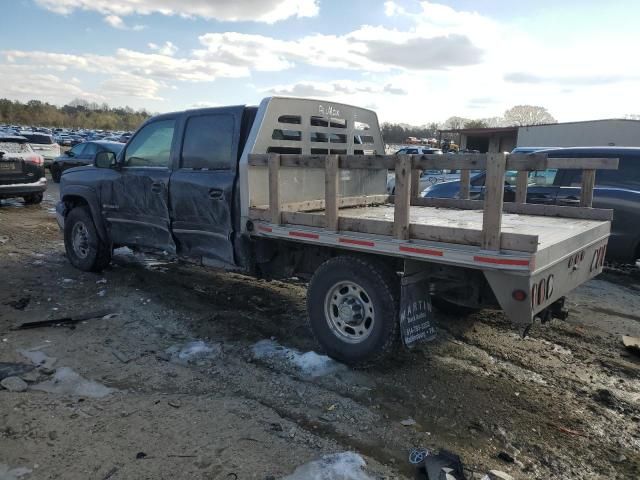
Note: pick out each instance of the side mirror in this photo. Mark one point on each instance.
(105, 159)
(70, 154)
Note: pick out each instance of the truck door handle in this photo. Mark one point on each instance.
(215, 194)
(156, 187)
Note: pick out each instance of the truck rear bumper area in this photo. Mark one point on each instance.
(19, 189)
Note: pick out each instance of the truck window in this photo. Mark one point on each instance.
(627, 175)
(151, 147)
(208, 142)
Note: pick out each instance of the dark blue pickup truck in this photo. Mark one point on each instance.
(618, 190)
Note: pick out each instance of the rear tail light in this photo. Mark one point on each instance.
(35, 159)
(519, 295)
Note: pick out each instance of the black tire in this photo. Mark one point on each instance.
(451, 308)
(55, 173)
(89, 253)
(381, 338)
(33, 199)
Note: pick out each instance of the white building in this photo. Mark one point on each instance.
(592, 133)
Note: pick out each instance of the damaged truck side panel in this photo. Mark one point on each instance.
(197, 184)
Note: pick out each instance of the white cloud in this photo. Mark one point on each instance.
(167, 49)
(116, 22)
(338, 89)
(126, 86)
(268, 11)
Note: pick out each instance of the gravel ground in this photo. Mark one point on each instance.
(203, 374)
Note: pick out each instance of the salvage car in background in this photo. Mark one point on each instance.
(43, 144)
(618, 190)
(81, 155)
(21, 170)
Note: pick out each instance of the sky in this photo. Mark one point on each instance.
(412, 61)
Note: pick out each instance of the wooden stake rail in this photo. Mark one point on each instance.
(407, 171)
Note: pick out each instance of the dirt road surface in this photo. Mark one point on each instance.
(175, 387)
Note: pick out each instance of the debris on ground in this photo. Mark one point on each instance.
(193, 351)
(309, 364)
(408, 422)
(13, 369)
(631, 343)
(67, 382)
(505, 457)
(497, 475)
(64, 321)
(337, 466)
(39, 359)
(19, 304)
(14, 384)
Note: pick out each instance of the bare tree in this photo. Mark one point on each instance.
(521, 115)
(455, 123)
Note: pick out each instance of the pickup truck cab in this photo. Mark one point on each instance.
(298, 187)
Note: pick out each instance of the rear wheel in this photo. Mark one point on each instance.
(33, 199)
(352, 305)
(85, 250)
(55, 173)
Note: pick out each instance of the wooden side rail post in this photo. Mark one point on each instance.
(493, 200)
(415, 183)
(586, 192)
(331, 192)
(522, 182)
(402, 198)
(274, 188)
(465, 184)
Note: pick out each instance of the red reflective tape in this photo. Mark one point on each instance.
(502, 261)
(363, 243)
(422, 251)
(315, 236)
(265, 229)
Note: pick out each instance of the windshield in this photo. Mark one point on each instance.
(39, 139)
(14, 147)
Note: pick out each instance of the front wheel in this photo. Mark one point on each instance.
(85, 250)
(352, 305)
(33, 199)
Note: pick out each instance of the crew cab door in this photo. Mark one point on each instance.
(201, 192)
(135, 201)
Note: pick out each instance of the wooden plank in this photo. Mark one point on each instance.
(366, 225)
(331, 192)
(598, 214)
(402, 198)
(303, 218)
(343, 202)
(274, 188)
(522, 183)
(515, 161)
(473, 161)
(415, 183)
(448, 203)
(581, 213)
(584, 163)
(493, 199)
(465, 184)
(588, 183)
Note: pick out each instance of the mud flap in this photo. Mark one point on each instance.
(416, 314)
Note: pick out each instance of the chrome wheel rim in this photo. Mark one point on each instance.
(80, 239)
(349, 312)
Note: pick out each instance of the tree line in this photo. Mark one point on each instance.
(76, 114)
(516, 116)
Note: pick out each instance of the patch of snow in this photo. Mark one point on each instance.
(309, 363)
(67, 382)
(102, 293)
(38, 358)
(8, 473)
(337, 466)
(194, 350)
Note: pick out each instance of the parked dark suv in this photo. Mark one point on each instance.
(81, 155)
(615, 189)
(21, 170)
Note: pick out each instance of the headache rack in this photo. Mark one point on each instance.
(407, 218)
